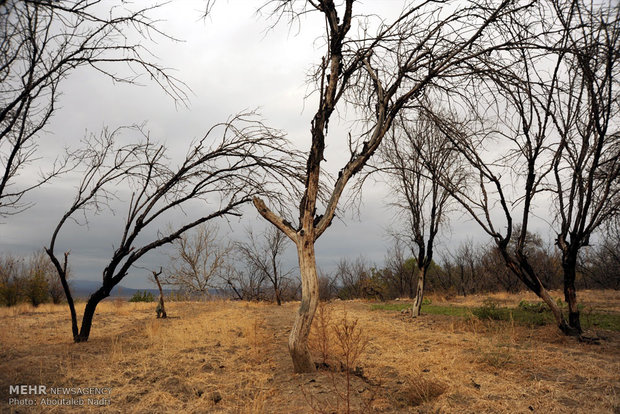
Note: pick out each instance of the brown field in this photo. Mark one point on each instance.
(232, 357)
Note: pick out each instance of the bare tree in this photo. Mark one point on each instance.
(586, 107)
(11, 279)
(244, 284)
(415, 158)
(198, 260)
(600, 265)
(218, 174)
(354, 279)
(40, 264)
(263, 258)
(505, 142)
(559, 83)
(492, 273)
(464, 261)
(161, 308)
(328, 286)
(43, 42)
(32, 279)
(377, 68)
(444, 279)
(486, 196)
(399, 271)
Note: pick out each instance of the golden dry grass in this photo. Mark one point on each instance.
(232, 357)
(599, 300)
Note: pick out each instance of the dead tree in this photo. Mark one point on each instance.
(352, 277)
(562, 83)
(198, 259)
(43, 42)
(263, 259)
(243, 285)
(585, 112)
(399, 270)
(414, 158)
(491, 181)
(234, 162)
(376, 68)
(160, 309)
(600, 265)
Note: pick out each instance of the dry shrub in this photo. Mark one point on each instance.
(321, 333)
(470, 324)
(116, 349)
(350, 340)
(437, 297)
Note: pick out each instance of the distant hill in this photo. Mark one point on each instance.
(84, 288)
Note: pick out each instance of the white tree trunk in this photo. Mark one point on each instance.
(419, 294)
(298, 339)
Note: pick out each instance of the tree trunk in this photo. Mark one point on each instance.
(557, 312)
(89, 313)
(161, 309)
(462, 275)
(62, 274)
(278, 298)
(298, 339)
(569, 264)
(419, 296)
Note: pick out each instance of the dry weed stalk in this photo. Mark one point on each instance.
(351, 342)
(320, 334)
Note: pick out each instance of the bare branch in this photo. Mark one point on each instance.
(42, 43)
(222, 174)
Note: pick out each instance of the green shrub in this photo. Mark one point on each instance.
(490, 310)
(536, 307)
(142, 297)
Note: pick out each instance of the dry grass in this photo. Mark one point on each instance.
(599, 300)
(232, 357)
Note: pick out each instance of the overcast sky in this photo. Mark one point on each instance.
(231, 64)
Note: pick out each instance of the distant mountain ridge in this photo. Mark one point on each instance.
(84, 288)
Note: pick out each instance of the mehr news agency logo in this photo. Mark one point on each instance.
(32, 395)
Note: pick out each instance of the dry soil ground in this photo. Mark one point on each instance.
(232, 357)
